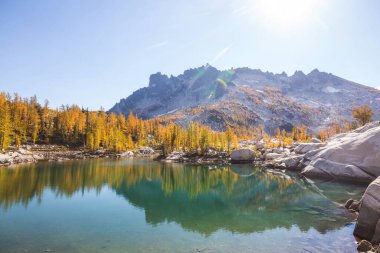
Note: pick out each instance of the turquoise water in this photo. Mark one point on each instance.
(147, 206)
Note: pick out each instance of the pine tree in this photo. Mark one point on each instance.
(5, 122)
(229, 138)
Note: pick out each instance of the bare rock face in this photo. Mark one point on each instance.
(368, 224)
(303, 148)
(350, 156)
(242, 155)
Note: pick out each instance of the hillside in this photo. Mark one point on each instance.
(249, 97)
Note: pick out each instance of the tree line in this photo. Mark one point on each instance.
(24, 120)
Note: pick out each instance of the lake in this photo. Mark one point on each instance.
(141, 205)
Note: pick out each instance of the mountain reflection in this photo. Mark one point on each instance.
(199, 198)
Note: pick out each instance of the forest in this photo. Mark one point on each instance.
(25, 120)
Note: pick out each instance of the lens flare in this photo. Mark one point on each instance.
(285, 15)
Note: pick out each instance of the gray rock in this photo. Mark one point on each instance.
(175, 156)
(127, 154)
(4, 158)
(355, 205)
(145, 151)
(271, 156)
(369, 214)
(348, 203)
(242, 155)
(24, 152)
(259, 145)
(281, 151)
(292, 162)
(364, 246)
(376, 236)
(315, 140)
(303, 148)
(339, 171)
(350, 156)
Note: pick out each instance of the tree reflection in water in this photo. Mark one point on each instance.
(200, 198)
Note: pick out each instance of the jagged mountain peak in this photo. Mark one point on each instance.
(252, 95)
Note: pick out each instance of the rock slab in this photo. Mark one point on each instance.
(351, 156)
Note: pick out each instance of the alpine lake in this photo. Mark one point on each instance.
(140, 205)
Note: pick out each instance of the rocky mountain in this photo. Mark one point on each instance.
(248, 97)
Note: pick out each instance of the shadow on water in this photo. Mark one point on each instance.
(203, 199)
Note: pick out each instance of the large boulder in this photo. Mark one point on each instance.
(368, 223)
(242, 155)
(350, 156)
(325, 168)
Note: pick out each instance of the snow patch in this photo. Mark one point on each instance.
(330, 89)
(260, 91)
(170, 112)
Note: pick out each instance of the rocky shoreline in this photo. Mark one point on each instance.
(352, 156)
(36, 153)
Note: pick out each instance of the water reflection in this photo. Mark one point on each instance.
(199, 198)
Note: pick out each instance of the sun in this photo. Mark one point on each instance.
(285, 15)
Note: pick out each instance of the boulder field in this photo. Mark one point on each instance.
(352, 156)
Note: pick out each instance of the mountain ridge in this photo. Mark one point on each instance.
(252, 97)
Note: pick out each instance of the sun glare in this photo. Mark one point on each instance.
(285, 15)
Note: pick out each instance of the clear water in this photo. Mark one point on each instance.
(146, 206)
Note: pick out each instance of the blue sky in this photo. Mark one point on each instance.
(94, 52)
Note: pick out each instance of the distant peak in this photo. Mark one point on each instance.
(298, 73)
(314, 72)
(157, 78)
